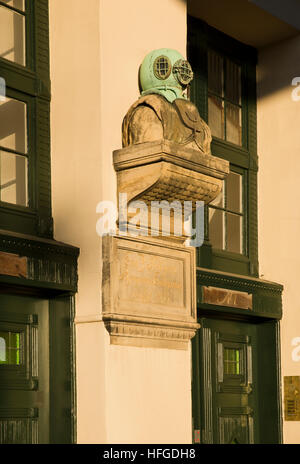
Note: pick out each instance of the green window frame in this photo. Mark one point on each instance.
(242, 155)
(29, 82)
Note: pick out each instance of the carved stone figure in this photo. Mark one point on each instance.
(162, 111)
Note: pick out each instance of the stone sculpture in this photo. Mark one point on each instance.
(163, 111)
(149, 281)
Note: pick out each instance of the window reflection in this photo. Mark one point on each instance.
(12, 35)
(216, 116)
(234, 192)
(18, 4)
(13, 179)
(13, 143)
(13, 125)
(232, 359)
(216, 228)
(234, 233)
(226, 215)
(224, 98)
(233, 124)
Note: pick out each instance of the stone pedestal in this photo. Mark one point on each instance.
(149, 296)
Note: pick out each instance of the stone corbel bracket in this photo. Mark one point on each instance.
(164, 170)
(148, 292)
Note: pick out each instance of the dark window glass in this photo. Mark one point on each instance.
(226, 216)
(13, 32)
(232, 361)
(224, 98)
(13, 152)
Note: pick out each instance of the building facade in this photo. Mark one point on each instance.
(69, 73)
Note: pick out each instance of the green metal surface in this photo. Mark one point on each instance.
(169, 87)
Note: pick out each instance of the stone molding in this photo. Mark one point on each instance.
(37, 262)
(164, 150)
(164, 170)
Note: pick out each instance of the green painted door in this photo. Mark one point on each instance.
(24, 370)
(238, 382)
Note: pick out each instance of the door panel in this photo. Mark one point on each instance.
(234, 392)
(229, 391)
(237, 381)
(24, 370)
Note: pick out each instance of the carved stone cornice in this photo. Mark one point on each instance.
(237, 282)
(164, 170)
(36, 262)
(164, 150)
(149, 332)
(266, 297)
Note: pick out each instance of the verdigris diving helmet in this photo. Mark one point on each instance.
(166, 72)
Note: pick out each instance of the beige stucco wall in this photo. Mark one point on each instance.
(124, 394)
(77, 187)
(279, 193)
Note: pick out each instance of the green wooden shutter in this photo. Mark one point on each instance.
(43, 166)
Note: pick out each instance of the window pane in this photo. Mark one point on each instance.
(13, 179)
(19, 4)
(215, 74)
(219, 201)
(216, 116)
(232, 361)
(234, 233)
(216, 228)
(10, 348)
(12, 36)
(13, 125)
(234, 199)
(233, 82)
(233, 124)
(2, 350)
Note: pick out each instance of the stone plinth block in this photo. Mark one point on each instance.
(149, 292)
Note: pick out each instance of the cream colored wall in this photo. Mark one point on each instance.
(77, 187)
(148, 390)
(125, 394)
(279, 192)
